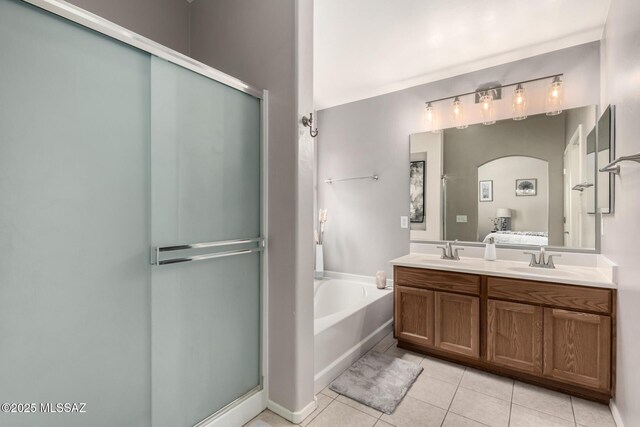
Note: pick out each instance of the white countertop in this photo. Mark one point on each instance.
(568, 274)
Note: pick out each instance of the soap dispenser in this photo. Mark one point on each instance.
(490, 250)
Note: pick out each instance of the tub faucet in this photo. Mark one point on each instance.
(541, 260)
(449, 252)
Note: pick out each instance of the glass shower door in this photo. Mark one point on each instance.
(74, 238)
(205, 218)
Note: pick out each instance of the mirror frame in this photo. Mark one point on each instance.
(612, 156)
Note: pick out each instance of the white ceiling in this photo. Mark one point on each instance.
(364, 48)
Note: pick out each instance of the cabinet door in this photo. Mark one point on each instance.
(514, 335)
(457, 323)
(577, 347)
(414, 315)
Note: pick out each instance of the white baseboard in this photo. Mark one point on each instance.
(240, 414)
(616, 413)
(328, 374)
(294, 417)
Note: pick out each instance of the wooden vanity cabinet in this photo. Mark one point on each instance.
(555, 335)
(428, 317)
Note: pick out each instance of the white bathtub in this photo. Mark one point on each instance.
(351, 316)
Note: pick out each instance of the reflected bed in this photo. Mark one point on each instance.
(534, 238)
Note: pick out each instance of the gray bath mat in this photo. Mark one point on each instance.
(377, 380)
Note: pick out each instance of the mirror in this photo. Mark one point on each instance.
(521, 182)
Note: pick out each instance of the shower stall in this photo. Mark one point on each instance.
(132, 251)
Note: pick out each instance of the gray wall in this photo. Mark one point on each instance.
(621, 62)
(372, 135)
(579, 116)
(163, 21)
(260, 41)
(528, 212)
(538, 136)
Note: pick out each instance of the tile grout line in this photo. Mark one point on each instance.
(352, 407)
(454, 396)
(392, 343)
(513, 386)
(459, 385)
(485, 394)
(573, 411)
(321, 411)
(471, 419)
(510, 410)
(336, 398)
(356, 409)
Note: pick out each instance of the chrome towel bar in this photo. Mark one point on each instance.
(331, 181)
(581, 187)
(614, 168)
(155, 252)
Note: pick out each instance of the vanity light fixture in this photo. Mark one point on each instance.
(555, 97)
(486, 108)
(457, 111)
(486, 97)
(519, 103)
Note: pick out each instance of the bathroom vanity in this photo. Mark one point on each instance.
(554, 328)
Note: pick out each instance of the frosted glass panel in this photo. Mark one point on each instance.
(206, 158)
(74, 235)
(205, 186)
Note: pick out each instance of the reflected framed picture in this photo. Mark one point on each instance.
(485, 191)
(416, 192)
(526, 187)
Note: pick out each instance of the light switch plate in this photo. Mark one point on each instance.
(461, 218)
(404, 222)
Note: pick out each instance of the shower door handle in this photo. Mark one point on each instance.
(259, 242)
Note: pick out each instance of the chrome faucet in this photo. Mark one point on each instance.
(541, 260)
(448, 252)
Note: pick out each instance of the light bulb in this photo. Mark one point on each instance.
(458, 114)
(487, 111)
(430, 118)
(555, 98)
(519, 103)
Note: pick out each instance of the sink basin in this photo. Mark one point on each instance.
(542, 271)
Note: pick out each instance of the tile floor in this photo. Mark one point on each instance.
(450, 395)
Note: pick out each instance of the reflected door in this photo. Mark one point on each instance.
(205, 187)
(572, 194)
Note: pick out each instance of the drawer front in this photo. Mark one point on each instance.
(563, 296)
(438, 280)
